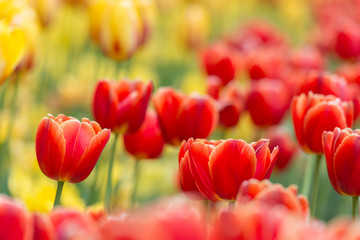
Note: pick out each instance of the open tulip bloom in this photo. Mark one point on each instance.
(341, 148)
(67, 150)
(313, 114)
(216, 169)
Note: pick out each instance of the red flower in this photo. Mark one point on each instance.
(324, 83)
(121, 106)
(219, 60)
(67, 149)
(347, 40)
(219, 167)
(341, 148)
(287, 147)
(43, 227)
(147, 142)
(273, 195)
(264, 108)
(307, 58)
(182, 117)
(71, 224)
(15, 222)
(313, 114)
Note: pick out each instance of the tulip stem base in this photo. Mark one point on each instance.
(108, 192)
(355, 207)
(314, 192)
(136, 181)
(59, 189)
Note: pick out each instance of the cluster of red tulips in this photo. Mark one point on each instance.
(226, 193)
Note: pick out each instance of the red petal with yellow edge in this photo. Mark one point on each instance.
(199, 168)
(231, 163)
(325, 116)
(347, 165)
(262, 151)
(88, 160)
(77, 136)
(50, 147)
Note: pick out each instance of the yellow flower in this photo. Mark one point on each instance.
(115, 26)
(147, 13)
(12, 48)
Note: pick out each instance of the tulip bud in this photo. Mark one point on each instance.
(67, 149)
(219, 167)
(147, 142)
(121, 106)
(342, 159)
(312, 114)
(115, 27)
(264, 109)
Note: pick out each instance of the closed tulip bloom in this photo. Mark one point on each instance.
(12, 49)
(182, 117)
(147, 142)
(115, 26)
(347, 40)
(341, 148)
(67, 149)
(219, 167)
(313, 114)
(15, 221)
(264, 109)
(121, 106)
(147, 13)
(46, 9)
(324, 83)
(219, 60)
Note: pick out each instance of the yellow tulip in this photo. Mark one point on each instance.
(115, 26)
(12, 48)
(147, 13)
(46, 9)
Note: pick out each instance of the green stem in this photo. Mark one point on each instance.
(109, 182)
(355, 207)
(314, 192)
(306, 185)
(59, 189)
(136, 181)
(12, 106)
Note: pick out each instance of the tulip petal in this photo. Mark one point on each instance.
(298, 110)
(231, 163)
(347, 165)
(187, 182)
(263, 157)
(50, 147)
(77, 136)
(90, 156)
(273, 157)
(325, 116)
(199, 167)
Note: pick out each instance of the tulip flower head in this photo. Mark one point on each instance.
(147, 142)
(67, 149)
(219, 167)
(182, 117)
(121, 106)
(341, 148)
(312, 114)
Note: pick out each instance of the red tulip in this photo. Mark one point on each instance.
(273, 195)
(121, 106)
(71, 224)
(313, 114)
(263, 107)
(219, 60)
(219, 167)
(147, 142)
(213, 86)
(347, 40)
(67, 149)
(350, 72)
(182, 117)
(43, 227)
(15, 222)
(341, 148)
(324, 83)
(230, 105)
(287, 147)
(307, 58)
